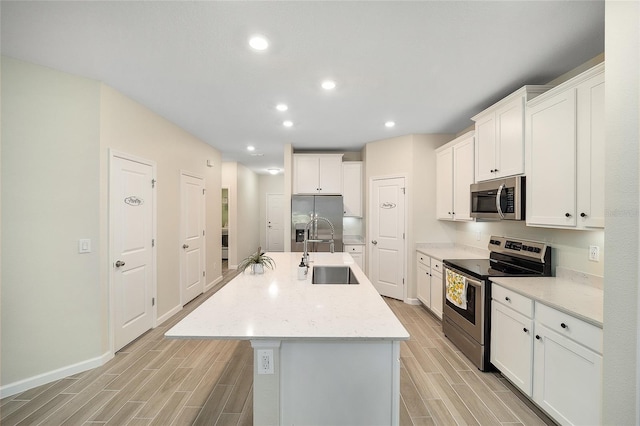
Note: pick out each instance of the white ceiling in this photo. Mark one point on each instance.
(427, 65)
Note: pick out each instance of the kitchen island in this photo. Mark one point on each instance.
(323, 353)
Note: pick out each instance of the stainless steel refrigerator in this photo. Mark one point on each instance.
(306, 207)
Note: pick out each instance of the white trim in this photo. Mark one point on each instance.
(412, 301)
(209, 286)
(169, 314)
(154, 250)
(50, 376)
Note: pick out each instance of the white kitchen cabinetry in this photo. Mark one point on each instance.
(357, 252)
(352, 188)
(565, 167)
(567, 380)
(512, 337)
(317, 174)
(454, 175)
(553, 357)
(429, 282)
(499, 129)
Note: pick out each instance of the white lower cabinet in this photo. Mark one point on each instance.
(552, 357)
(357, 252)
(429, 282)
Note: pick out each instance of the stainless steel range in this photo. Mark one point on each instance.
(466, 318)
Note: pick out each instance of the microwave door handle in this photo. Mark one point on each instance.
(498, 195)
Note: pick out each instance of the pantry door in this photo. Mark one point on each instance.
(387, 236)
(192, 243)
(133, 259)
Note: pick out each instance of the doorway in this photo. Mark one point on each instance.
(275, 228)
(192, 235)
(387, 232)
(132, 221)
(225, 229)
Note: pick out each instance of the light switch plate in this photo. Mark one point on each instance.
(84, 245)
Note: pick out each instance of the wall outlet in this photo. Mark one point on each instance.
(594, 253)
(84, 245)
(265, 361)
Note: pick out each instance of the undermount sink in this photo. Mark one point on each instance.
(333, 275)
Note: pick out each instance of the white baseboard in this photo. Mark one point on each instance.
(51, 376)
(411, 301)
(209, 286)
(168, 315)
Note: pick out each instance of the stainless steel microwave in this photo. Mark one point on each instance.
(500, 199)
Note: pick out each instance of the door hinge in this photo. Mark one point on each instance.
(203, 232)
(403, 237)
(203, 273)
(153, 301)
(153, 183)
(404, 190)
(153, 242)
(403, 281)
(203, 191)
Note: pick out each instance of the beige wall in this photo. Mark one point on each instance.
(244, 216)
(622, 278)
(52, 302)
(413, 157)
(128, 127)
(57, 130)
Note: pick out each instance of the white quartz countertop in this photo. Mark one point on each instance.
(277, 306)
(353, 240)
(450, 251)
(580, 300)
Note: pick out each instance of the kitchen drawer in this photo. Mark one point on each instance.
(515, 301)
(436, 267)
(424, 259)
(571, 327)
(353, 248)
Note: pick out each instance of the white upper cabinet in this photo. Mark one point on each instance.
(352, 188)
(454, 175)
(565, 165)
(499, 146)
(317, 174)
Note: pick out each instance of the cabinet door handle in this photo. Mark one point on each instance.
(507, 299)
(526, 330)
(119, 263)
(492, 170)
(567, 215)
(374, 242)
(563, 325)
(583, 214)
(538, 337)
(185, 246)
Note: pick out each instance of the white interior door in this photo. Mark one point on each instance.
(133, 262)
(275, 227)
(192, 270)
(386, 231)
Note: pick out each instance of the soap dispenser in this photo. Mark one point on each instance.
(302, 270)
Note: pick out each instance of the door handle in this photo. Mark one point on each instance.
(185, 246)
(374, 242)
(119, 263)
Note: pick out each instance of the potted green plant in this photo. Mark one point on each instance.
(257, 262)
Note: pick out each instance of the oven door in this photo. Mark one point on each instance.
(471, 320)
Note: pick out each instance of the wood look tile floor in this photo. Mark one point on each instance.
(157, 381)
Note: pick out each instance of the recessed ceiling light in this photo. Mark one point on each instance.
(274, 171)
(282, 107)
(328, 85)
(251, 148)
(390, 124)
(258, 42)
(287, 123)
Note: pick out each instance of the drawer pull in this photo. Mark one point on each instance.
(563, 325)
(507, 299)
(526, 330)
(538, 337)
